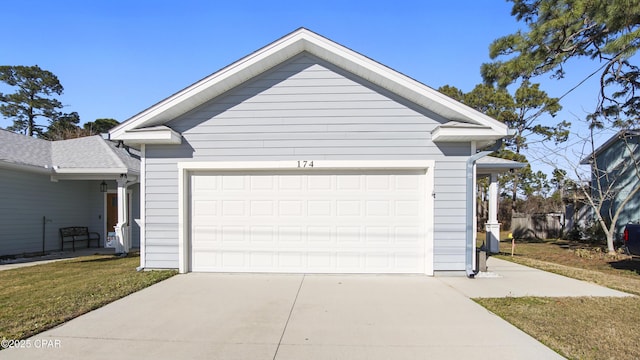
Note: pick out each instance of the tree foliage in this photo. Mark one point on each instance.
(607, 32)
(100, 126)
(520, 112)
(64, 127)
(33, 98)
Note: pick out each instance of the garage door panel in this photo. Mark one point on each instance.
(290, 208)
(261, 208)
(348, 208)
(289, 236)
(262, 183)
(264, 260)
(377, 208)
(320, 261)
(233, 183)
(262, 236)
(289, 182)
(347, 222)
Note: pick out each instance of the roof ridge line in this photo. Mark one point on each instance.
(112, 152)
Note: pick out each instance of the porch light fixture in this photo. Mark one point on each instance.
(103, 186)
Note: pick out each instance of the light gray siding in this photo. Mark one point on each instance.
(450, 214)
(305, 109)
(27, 197)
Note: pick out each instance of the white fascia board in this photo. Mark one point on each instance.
(304, 165)
(163, 135)
(28, 168)
(92, 176)
(397, 83)
(118, 171)
(284, 49)
(458, 134)
(214, 85)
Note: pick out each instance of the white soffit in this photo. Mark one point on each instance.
(459, 132)
(153, 135)
(286, 48)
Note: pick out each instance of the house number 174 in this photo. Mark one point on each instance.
(305, 164)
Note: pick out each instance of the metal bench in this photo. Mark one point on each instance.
(74, 234)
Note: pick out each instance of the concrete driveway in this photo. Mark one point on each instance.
(235, 316)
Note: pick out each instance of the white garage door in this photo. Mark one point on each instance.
(309, 221)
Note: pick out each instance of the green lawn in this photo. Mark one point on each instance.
(577, 328)
(37, 298)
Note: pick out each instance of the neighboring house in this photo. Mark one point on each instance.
(308, 157)
(46, 185)
(615, 177)
(578, 213)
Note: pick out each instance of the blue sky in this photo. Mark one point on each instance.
(116, 58)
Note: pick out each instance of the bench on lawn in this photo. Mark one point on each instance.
(74, 234)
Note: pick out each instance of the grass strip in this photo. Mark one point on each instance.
(37, 298)
(577, 328)
(583, 327)
(623, 283)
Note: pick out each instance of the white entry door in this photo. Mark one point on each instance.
(346, 221)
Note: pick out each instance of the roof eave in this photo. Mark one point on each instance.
(156, 135)
(59, 170)
(485, 169)
(619, 135)
(26, 167)
(94, 174)
(284, 49)
(466, 134)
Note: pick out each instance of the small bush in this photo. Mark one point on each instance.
(595, 234)
(574, 234)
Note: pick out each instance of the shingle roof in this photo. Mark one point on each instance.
(23, 150)
(88, 153)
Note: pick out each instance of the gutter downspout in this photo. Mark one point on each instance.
(471, 162)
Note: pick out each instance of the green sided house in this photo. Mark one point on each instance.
(308, 157)
(615, 181)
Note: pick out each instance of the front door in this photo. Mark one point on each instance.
(112, 212)
(111, 218)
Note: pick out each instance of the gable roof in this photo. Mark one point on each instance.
(612, 140)
(88, 155)
(303, 40)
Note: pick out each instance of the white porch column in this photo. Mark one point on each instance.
(123, 244)
(492, 225)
